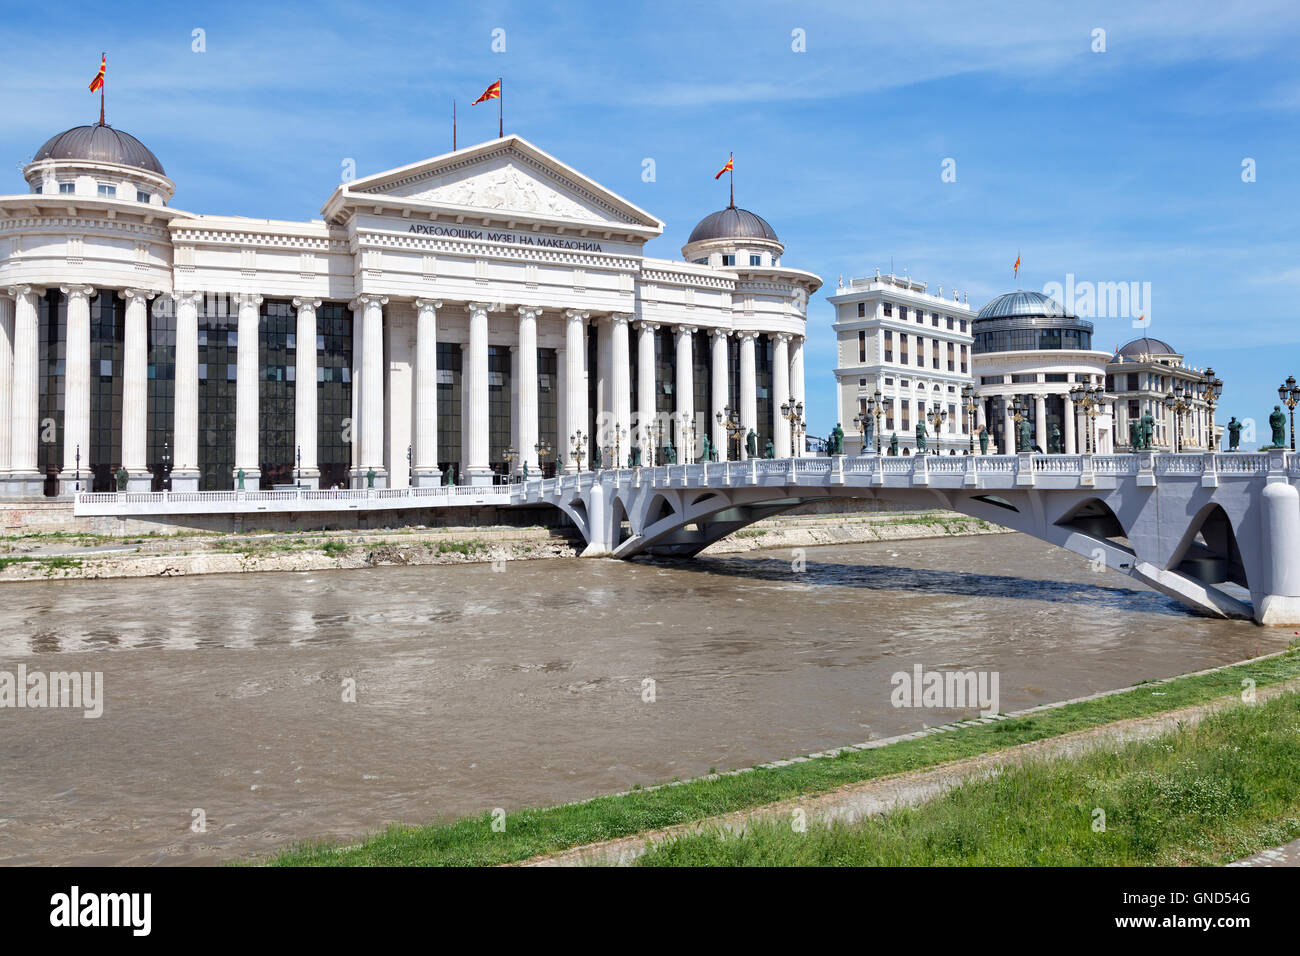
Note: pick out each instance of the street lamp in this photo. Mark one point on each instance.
(543, 449)
(1178, 402)
(1090, 398)
(577, 446)
(167, 467)
(78, 457)
(969, 403)
(860, 421)
(793, 412)
(876, 407)
(937, 416)
(410, 464)
(1213, 389)
(1018, 410)
(730, 419)
(619, 434)
(1289, 392)
(509, 456)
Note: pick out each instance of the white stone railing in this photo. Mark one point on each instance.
(858, 470)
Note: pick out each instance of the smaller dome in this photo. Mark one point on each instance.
(1146, 346)
(100, 144)
(732, 223)
(1012, 304)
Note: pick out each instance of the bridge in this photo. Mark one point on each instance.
(1218, 532)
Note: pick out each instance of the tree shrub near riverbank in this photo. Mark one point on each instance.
(1204, 794)
(532, 832)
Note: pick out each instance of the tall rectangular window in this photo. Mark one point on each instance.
(277, 342)
(499, 411)
(862, 346)
(889, 346)
(161, 448)
(449, 410)
(52, 354)
(217, 367)
(107, 348)
(548, 403)
(333, 347)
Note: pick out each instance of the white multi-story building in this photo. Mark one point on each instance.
(1028, 348)
(1141, 376)
(473, 313)
(910, 350)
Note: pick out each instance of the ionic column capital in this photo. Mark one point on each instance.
(482, 308)
(77, 291)
(783, 337)
(306, 305)
(680, 330)
(719, 333)
(645, 326)
(145, 294)
(576, 315)
(17, 291)
(249, 300)
(367, 300)
(187, 298)
(746, 336)
(621, 318)
(529, 311)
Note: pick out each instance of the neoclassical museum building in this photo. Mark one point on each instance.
(460, 318)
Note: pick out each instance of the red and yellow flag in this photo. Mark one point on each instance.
(98, 81)
(493, 92)
(727, 168)
(1015, 270)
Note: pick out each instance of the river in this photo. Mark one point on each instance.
(224, 695)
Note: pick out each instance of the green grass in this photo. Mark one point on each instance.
(1206, 794)
(48, 564)
(530, 832)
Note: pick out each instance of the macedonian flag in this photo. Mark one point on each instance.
(98, 81)
(493, 92)
(727, 168)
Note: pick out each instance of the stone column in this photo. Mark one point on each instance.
(24, 479)
(6, 380)
(561, 410)
(1040, 421)
(646, 388)
(748, 397)
(368, 386)
(135, 389)
(796, 383)
(1071, 442)
(247, 421)
(721, 390)
(685, 392)
(621, 383)
(425, 454)
(306, 466)
(477, 459)
(185, 455)
(575, 347)
(526, 375)
(76, 390)
(1008, 427)
(781, 394)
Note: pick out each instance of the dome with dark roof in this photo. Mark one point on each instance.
(100, 144)
(732, 223)
(1012, 304)
(1147, 346)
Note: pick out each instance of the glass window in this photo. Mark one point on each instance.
(141, 196)
(728, 259)
(755, 260)
(107, 189)
(334, 394)
(66, 188)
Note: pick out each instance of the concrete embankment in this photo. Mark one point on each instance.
(73, 555)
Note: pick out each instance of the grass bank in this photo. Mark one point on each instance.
(1204, 794)
(531, 832)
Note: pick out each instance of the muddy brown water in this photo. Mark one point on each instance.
(478, 688)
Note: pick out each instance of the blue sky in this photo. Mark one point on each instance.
(1123, 165)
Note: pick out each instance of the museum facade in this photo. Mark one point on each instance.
(462, 318)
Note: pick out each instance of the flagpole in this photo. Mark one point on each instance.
(103, 58)
(731, 177)
(501, 109)
(453, 126)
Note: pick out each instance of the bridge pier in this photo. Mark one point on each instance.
(1278, 601)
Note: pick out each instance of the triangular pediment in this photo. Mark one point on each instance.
(506, 178)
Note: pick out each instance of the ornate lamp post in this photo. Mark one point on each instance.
(577, 448)
(1089, 398)
(1289, 392)
(410, 465)
(970, 405)
(1213, 389)
(1178, 402)
(78, 457)
(167, 467)
(543, 449)
(730, 418)
(659, 442)
(876, 407)
(619, 434)
(936, 417)
(792, 411)
(1018, 410)
(509, 456)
